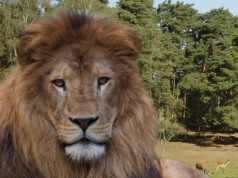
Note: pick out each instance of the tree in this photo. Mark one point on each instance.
(88, 6)
(213, 96)
(157, 61)
(202, 50)
(177, 22)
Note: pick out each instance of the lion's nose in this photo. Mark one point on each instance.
(84, 123)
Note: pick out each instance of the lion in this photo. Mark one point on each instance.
(75, 106)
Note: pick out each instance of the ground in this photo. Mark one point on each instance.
(191, 154)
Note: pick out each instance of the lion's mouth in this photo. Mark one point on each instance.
(85, 150)
(83, 141)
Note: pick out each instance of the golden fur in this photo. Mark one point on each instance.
(33, 122)
(175, 169)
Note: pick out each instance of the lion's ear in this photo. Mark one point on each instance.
(121, 39)
(25, 49)
(135, 44)
(33, 45)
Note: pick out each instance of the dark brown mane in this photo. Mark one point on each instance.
(38, 41)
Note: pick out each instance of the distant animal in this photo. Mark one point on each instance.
(203, 167)
(75, 106)
(222, 165)
(234, 135)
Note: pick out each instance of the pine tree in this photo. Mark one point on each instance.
(140, 15)
(210, 81)
(177, 22)
(221, 29)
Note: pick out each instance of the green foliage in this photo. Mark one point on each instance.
(88, 6)
(104, 1)
(206, 64)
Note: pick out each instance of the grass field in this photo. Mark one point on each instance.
(192, 154)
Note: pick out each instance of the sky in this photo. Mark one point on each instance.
(201, 5)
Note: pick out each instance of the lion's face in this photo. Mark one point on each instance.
(81, 95)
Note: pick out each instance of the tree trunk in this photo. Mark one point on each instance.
(231, 96)
(184, 108)
(203, 66)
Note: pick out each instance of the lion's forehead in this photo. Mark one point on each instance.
(71, 62)
(67, 69)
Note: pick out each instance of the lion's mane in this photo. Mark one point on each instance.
(28, 141)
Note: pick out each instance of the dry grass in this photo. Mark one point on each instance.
(192, 154)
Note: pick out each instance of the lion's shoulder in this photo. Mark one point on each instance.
(174, 169)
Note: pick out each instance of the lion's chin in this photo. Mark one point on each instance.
(85, 152)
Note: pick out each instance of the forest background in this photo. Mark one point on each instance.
(189, 61)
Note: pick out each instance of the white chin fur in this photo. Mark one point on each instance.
(85, 152)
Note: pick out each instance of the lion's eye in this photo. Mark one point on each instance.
(102, 80)
(59, 82)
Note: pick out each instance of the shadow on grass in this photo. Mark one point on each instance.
(206, 141)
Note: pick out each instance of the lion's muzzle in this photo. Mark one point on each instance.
(88, 144)
(84, 123)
